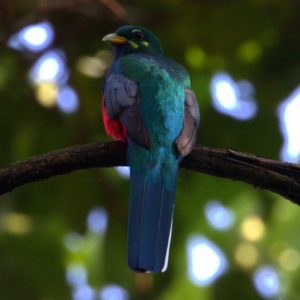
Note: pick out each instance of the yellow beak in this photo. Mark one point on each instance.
(112, 39)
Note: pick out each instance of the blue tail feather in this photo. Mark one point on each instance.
(151, 209)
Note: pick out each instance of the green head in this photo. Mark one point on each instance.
(133, 39)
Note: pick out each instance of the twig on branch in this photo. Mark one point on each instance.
(278, 177)
(113, 5)
(116, 8)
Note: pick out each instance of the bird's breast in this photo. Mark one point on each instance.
(161, 90)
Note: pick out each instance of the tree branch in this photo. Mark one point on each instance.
(278, 177)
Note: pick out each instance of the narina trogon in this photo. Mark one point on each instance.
(149, 104)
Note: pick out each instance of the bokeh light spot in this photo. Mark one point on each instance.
(123, 171)
(206, 262)
(67, 100)
(105, 57)
(218, 216)
(74, 241)
(16, 223)
(113, 292)
(283, 211)
(289, 122)
(289, 259)
(249, 51)
(97, 220)
(253, 228)
(266, 281)
(76, 275)
(195, 57)
(84, 293)
(50, 67)
(14, 42)
(246, 255)
(46, 94)
(91, 66)
(233, 99)
(37, 37)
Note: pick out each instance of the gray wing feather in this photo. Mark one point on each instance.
(123, 101)
(187, 138)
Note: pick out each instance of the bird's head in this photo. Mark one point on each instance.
(133, 39)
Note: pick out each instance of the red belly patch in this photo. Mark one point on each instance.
(113, 127)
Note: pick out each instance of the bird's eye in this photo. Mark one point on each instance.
(138, 35)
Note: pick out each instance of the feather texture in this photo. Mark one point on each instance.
(148, 102)
(149, 229)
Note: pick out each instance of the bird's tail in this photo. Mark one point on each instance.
(151, 209)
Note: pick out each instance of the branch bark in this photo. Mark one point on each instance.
(278, 177)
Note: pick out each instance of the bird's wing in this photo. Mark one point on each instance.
(122, 101)
(187, 138)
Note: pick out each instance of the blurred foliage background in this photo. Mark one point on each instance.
(65, 238)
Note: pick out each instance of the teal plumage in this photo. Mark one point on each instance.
(148, 103)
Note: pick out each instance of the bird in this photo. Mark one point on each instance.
(148, 104)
